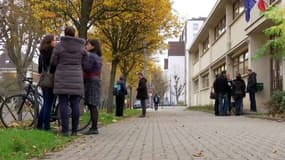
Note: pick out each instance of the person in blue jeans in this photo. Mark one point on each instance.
(46, 48)
(221, 88)
(142, 93)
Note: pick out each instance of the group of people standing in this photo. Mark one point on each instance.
(76, 65)
(227, 89)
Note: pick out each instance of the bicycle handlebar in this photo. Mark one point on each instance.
(28, 79)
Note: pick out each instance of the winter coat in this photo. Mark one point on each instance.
(251, 82)
(221, 85)
(142, 89)
(93, 66)
(44, 60)
(238, 88)
(68, 56)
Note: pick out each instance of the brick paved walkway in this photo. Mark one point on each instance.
(175, 134)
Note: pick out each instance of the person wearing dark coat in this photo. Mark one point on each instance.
(251, 89)
(156, 101)
(221, 88)
(46, 48)
(120, 97)
(230, 86)
(238, 93)
(142, 93)
(216, 105)
(92, 82)
(68, 56)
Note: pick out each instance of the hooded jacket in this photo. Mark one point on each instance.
(68, 56)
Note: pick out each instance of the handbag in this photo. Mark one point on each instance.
(213, 95)
(46, 78)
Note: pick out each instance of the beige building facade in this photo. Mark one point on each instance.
(228, 42)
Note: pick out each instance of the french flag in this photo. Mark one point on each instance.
(261, 5)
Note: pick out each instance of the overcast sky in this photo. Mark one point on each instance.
(192, 8)
(187, 9)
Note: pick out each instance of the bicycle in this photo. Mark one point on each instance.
(20, 110)
(84, 120)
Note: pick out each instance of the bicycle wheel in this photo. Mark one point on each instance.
(17, 111)
(85, 118)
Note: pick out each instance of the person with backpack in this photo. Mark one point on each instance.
(92, 82)
(238, 93)
(156, 101)
(121, 91)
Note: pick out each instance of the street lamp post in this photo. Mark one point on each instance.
(145, 60)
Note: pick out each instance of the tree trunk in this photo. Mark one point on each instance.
(21, 74)
(110, 91)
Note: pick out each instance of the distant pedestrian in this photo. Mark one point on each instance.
(46, 48)
(251, 89)
(68, 56)
(156, 101)
(229, 92)
(238, 94)
(92, 82)
(216, 105)
(142, 93)
(121, 92)
(221, 88)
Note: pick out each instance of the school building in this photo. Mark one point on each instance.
(227, 42)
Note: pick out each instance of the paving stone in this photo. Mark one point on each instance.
(176, 134)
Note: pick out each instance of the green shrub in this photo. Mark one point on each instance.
(277, 103)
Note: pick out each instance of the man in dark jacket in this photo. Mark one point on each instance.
(120, 96)
(251, 89)
(156, 101)
(142, 93)
(238, 93)
(221, 88)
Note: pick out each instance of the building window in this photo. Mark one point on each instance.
(220, 28)
(195, 57)
(195, 26)
(206, 45)
(241, 63)
(205, 81)
(196, 85)
(238, 8)
(218, 70)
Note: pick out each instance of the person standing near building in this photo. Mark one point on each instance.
(46, 48)
(229, 92)
(92, 82)
(142, 93)
(156, 101)
(221, 88)
(251, 89)
(68, 56)
(238, 93)
(120, 96)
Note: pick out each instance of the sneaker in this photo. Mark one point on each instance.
(91, 131)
